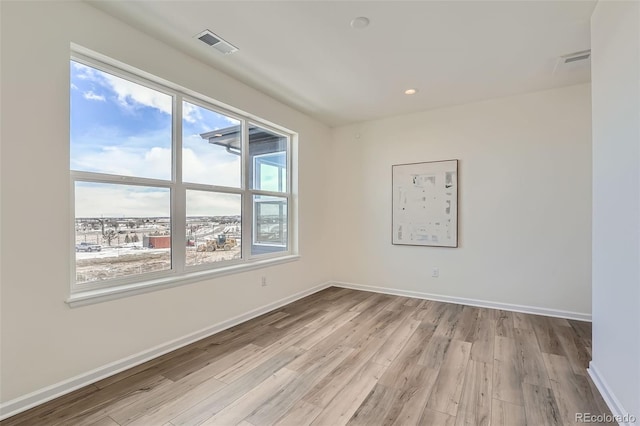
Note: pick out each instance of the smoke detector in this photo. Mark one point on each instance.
(572, 61)
(216, 42)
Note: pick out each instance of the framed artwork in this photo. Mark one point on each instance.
(425, 203)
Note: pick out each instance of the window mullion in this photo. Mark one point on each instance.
(291, 229)
(119, 179)
(247, 198)
(178, 194)
(72, 209)
(270, 193)
(212, 188)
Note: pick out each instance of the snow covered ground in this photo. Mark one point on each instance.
(114, 262)
(122, 259)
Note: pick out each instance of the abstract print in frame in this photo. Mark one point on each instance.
(425, 203)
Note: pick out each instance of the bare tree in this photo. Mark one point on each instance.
(109, 235)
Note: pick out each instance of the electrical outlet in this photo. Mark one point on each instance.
(264, 281)
(435, 272)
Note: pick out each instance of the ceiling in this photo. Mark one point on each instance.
(305, 53)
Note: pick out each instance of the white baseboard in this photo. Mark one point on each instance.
(471, 302)
(618, 411)
(23, 403)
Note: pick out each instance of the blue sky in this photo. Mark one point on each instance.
(120, 127)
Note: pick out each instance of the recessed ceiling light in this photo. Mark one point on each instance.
(411, 91)
(360, 22)
(217, 135)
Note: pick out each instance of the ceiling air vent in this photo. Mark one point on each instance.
(573, 62)
(216, 42)
(577, 56)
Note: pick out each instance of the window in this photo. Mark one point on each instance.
(270, 223)
(268, 151)
(166, 185)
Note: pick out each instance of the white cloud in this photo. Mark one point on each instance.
(157, 161)
(203, 163)
(98, 200)
(105, 150)
(110, 200)
(205, 117)
(92, 96)
(191, 113)
(209, 164)
(230, 120)
(200, 203)
(154, 163)
(131, 94)
(192, 165)
(85, 72)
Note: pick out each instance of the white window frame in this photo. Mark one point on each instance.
(180, 273)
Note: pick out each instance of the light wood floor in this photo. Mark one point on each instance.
(351, 357)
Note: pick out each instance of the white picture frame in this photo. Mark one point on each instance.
(425, 204)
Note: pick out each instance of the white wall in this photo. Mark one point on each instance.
(524, 200)
(615, 44)
(43, 340)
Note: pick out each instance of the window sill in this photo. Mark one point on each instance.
(89, 297)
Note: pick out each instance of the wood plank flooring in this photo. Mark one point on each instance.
(343, 357)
